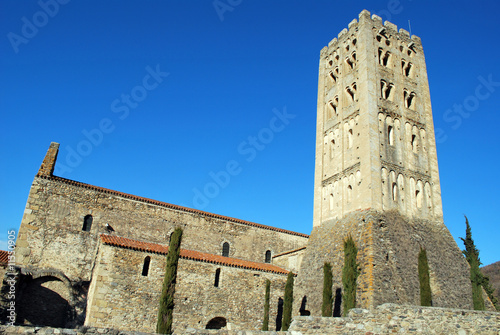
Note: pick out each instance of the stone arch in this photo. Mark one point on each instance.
(46, 298)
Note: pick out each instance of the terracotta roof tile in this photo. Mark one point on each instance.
(4, 257)
(190, 254)
(172, 206)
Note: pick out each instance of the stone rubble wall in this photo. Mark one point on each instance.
(388, 247)
(121, 297)
(385, 319)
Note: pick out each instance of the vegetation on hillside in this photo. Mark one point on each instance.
(492, 272)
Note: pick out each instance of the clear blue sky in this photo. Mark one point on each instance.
(71, 72)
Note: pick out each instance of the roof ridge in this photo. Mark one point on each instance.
(172, 206)
(129, 243)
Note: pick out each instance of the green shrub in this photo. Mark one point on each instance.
(423, 275)
(326, 309)
(350, 274)
(287, 303)
(165, 312)
(265, 324)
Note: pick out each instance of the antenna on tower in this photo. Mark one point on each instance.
(409, 26)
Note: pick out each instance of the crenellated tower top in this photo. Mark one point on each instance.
(375, 137)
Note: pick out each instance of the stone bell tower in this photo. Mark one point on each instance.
(376, 173)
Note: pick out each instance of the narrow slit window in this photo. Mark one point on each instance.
(380, 52)
(390, 135)
(145, 266)
(333, 77)
(332, 148)
(349, 193)
(387, 93)
(410, 101)
(349, 139)
(414, 143)
(333, 108)
(268, 256)
(225, 249)
(394, 192)
(385, 59)
(351, 92)
(87, 223)
(407, 69)
(217, 278)
(331, 201)
(418, 196)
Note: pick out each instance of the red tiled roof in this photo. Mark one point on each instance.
(172, 206)
(190, 254)
(4, 257)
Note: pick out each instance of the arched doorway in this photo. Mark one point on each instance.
(44, 301)
(216, 323)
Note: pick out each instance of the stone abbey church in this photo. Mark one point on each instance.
(91, 256)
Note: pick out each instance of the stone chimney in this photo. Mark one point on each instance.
(49, 162)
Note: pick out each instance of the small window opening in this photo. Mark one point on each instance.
(349, 139)
(409, 52)
(217, 278)
(409, 99)
(387, 42)
(332, 148)
(385, 59)
(145, 266)
(351, 91)
(87, 223)
(394, 192)
(418, 196)
(390, 133)
(349, 62)
(347, 48)
(333, 107)
(268, 256)
(407, 69)
(333, 77)
(330, 62)
(349, 193)
(331, 201)
(379, 38)
(225, 249)
(414, 143)
(386, 89)
(354, 41)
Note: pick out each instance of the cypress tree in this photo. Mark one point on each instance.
(265, 324)
(423, 275)
(350, 274)
(165, 312)
(326, 309)
(476, 277)
(287, 303)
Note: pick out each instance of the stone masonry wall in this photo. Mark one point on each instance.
(51, 233)
(388, 246)
(385, 319)
(120, 297)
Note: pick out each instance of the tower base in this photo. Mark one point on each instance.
(388, 247)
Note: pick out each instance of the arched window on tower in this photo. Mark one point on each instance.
(145, 266)
(225, 249)
(394, 192)
(418, 196)
(390, 133)
(349, 193)
(268, 256)
(87, 223)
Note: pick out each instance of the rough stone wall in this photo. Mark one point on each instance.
(385, 319)
(290, 260)
(120, 297)
(388, 246)
(51, 230)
